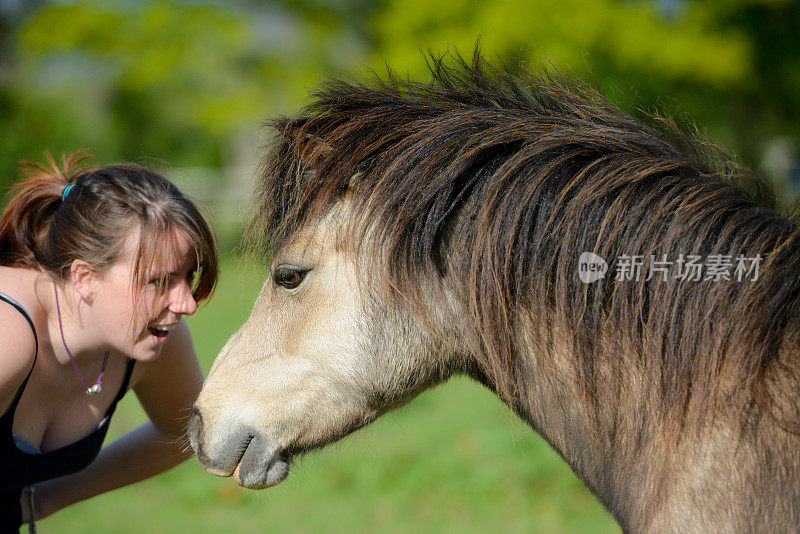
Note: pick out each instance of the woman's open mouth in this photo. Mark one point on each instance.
(161, 331)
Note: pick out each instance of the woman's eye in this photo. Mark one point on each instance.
(159, 283)
(289, 278)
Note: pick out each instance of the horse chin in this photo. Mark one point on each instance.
(261, 465)
(263, 474)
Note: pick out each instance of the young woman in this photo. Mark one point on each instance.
(97, 268)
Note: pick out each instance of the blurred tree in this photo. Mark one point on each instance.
(164, 79)
(183, 80)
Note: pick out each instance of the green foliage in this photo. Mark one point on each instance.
(182, 81)
(164, 79)
(628, 35)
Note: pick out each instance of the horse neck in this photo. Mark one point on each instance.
(551, 398)
(647, 472)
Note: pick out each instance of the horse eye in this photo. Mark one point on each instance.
(289, 278)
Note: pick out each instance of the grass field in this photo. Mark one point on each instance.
(454, 460)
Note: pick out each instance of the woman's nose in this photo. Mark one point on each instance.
(182, 301)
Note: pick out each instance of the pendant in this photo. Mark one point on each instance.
(94, 390)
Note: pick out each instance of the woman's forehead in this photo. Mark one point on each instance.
(167, 252)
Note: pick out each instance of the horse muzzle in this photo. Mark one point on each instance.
(233, 449)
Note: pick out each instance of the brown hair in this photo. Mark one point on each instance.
(40, 229)
(518, 176)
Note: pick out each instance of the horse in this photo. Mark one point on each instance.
(489, 223)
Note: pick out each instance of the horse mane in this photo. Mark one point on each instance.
(523, 174)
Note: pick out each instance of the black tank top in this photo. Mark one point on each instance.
(19, 469)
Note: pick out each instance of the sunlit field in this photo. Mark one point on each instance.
(454, 460)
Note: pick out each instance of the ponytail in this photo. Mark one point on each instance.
(30, 212)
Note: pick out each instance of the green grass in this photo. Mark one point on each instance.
(454, 460)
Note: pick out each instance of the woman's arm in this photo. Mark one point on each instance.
(137, 455)
(166, 389)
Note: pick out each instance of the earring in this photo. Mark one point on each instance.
(90, 297)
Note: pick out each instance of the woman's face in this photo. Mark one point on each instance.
(141, 329)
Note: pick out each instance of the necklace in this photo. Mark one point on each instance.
(97, 387)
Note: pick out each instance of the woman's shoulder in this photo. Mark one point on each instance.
(17, 351)
(17, 341)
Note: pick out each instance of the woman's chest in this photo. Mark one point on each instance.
(55, 411)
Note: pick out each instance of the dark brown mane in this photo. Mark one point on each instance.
(525, 174)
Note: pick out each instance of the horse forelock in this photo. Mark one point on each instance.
(499, 183)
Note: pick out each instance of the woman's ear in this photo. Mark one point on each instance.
(85, 279)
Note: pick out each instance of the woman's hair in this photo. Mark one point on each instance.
(95, 218)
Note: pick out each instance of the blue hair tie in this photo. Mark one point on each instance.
(66, 191)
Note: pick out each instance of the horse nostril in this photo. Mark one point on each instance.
(195, 428)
